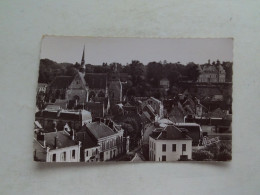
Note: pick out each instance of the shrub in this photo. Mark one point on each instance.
(225, 146)
(224, 155)
(200, 155)
(214, 149)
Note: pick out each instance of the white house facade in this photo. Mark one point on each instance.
(171, 144)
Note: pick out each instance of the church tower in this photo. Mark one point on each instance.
(115, 87)
(82, 64)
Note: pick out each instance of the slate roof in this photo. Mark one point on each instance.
(65, 115)
(96, 80)
(173, 133)
(64, 140)
(86, 140)
(99, 130)
(61, 82)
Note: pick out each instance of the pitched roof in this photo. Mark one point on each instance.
(96, 80)
(65, 114)
(61, 82)
(99, 130)
(154, 99)
(173, 133)
(86, 140)
(63, 140)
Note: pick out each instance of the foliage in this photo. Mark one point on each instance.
(220, 150)
(200, 155)
(49, 70)
(228, 67)
(224, 155)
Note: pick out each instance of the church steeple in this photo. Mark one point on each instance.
(83, 58)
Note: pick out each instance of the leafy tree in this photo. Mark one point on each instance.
(200, 155)
(192, 71)
(136, 70)
(154, 73)
(224, 155)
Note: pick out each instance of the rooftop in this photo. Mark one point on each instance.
(99, 130)
(171, 132)
(65, 114)
(61, 82)
(96, 80)
(63, 140)
(86, 140)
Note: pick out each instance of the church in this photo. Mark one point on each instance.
(86, 87)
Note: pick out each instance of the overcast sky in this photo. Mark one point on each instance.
(124, 50)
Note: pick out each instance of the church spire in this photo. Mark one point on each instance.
(83, 57)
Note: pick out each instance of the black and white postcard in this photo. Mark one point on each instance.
(134, 99)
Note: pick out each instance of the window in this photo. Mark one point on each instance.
(163, 158)
(87, 153)
(54, 158)
(64, 156)
(183, 147)
(174, 147)
(73, 154)
(164, 147)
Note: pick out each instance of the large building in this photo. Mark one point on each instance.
(75, 119)
(212, 73)
(106, 138)
(58, 146)
(155, 104)
(170, 144)
(84, 87)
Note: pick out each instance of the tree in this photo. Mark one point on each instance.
(192, 71)
(136, 70)
(154, 73)
(71, 71)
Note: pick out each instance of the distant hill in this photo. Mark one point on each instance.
(50, 69)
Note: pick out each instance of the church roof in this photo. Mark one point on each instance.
(61, 82)
(96, 80)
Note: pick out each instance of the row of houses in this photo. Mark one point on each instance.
(95, 141)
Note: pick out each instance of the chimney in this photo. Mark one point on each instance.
(73, 134)
(56, 142)
(208, 61)
(55, 126)
(58, 112)
(44, 143)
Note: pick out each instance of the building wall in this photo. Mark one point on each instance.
(80, 94)
(115, 91)
(156, 153)
(77, 89)
(157, 106)
(60, 154)
(47, 123)
(92, 152)
(164, 83)
(212, 77)
(111, 146)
